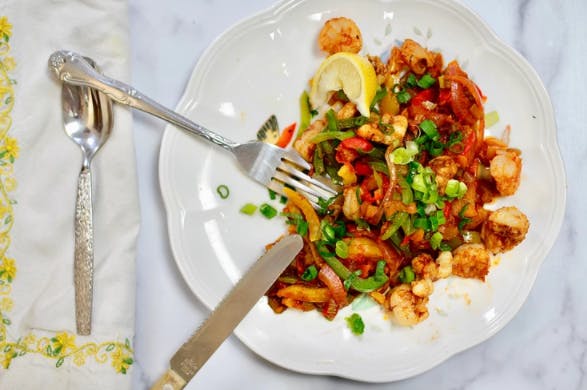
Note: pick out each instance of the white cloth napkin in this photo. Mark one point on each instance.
(39, 166)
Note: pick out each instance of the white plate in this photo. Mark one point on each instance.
(260, 67)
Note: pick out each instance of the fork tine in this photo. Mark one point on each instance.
(301, 186)
(294, 157)
(299, 175)
(278, 187)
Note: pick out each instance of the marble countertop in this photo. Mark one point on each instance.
(543, 347)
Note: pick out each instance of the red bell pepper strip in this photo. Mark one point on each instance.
(357, 143)
(286, 136)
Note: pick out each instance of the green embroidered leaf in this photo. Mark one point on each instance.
(6, 320)
(123, 370)
(59, 362)
(49, 350)
(2, 154)
(127, 343)
(57, 350)
(53, 339)
(128, 361)
(110, 347)
(7, 348)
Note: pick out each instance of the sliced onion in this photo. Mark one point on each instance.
(334, 284)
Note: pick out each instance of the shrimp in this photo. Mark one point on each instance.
(445, 168)
(416, 57)
(504, 229)
(406, 307)
(350, 207)
(471, 261)
(444, 261)
(371, 131)
(506, 169)
(347, 111)
(425, 267)
(340, 34)
(303, 145)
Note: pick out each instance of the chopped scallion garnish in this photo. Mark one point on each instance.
(267, 210)
(406, 275)
(355, 324)
(248, 209)
(310, 273)
(223, 191)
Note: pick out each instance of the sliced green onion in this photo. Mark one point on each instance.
(411, 80)
(435, 240)
(402, 156)
(267, 210)
(429, 128)
(426, 81)
(328, 232)
(406, 275)
(272, 195)
(455, 189)
(248, 209)
(310, 273)
(403, 96)
(397, 221)
(302, 228)
(341, 249)
(223, 191)
(355, 324)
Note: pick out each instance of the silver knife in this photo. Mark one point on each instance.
(192, 355)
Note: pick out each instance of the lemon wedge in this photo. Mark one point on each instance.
(349, 72)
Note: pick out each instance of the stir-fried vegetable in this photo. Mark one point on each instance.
(414, 176)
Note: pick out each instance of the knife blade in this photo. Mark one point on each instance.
(192, 355)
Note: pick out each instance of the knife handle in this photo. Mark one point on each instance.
(169, 381)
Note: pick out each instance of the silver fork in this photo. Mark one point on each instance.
(270, 165)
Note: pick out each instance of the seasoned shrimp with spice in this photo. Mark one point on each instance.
(406, 307)
(504, 229)
(340, 34)
(506, 170)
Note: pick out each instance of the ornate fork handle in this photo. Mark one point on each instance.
(72, 68)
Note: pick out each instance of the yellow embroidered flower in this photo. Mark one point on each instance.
(29, 339)
(6, 358)
(8, 269)
(6, 304)
(9, 63)
(64, 341)
(120, 361)
(5, 27)
(79, 359)
(11, 148)
(10, 184)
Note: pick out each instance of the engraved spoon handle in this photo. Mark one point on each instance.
(84, 253)
(72, 68)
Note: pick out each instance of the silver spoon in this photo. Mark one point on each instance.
(87, 118)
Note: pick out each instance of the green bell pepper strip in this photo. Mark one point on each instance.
(328, 135)
(360, 284)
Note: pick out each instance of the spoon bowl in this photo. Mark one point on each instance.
(87, 119)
